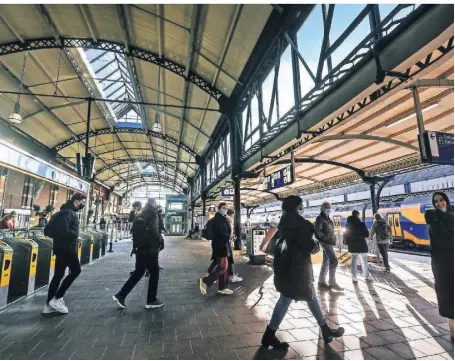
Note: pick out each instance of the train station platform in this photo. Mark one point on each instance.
(396, 317)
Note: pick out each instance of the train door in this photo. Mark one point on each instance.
(391, 224)
(397, 224)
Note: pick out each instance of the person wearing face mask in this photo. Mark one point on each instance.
(233, 277)
(293, 271)
(325, 234)
(63, 227)
(441, 228)
(220, 234)
(146, 247)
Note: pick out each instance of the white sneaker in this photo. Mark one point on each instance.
(202, 287)
(235, 278)
(48, 309)
(354, 279)
(226, 291)
(58, 305)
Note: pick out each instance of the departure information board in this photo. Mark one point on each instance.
(280, 178)
(439, 147)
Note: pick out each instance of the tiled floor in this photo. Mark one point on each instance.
(394, 318)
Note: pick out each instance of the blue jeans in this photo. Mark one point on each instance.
(282, 306)
(364, 260)
(329, 263)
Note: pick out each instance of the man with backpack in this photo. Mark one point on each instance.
(383, 235)
(146, 247)
(63, 227)
(218, 231)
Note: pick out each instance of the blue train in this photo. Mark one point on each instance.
(405, 217)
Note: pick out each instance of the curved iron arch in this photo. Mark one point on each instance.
(133, 174)
(154, 183)
(164, 179)
(107, 45)
(129, 161)
(129, 130)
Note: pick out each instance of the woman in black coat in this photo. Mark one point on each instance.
(354, 237)
(293, 270)
(440, 222)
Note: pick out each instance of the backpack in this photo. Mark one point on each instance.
(383, 231)
(207, 232)
(49, 229)
(141, 234)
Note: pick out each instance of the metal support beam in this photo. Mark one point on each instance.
(326, 138)
(420, 123)
(433, 83)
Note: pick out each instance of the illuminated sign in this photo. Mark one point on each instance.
(280, 178)
(439, 147)
(227, 192)
(15, 157)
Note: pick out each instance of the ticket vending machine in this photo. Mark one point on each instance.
(255, 236)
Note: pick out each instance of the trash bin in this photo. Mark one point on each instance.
(23, 270)
(87, 247)
(46, 259)
(6, 258)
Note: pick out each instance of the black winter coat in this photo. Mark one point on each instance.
(293, 270)
(66, 228)
(441, 240)
(150, 214)
(324, 229)
(221, 231)
(355, 234)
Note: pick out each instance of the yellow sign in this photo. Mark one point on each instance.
(33, 261)
(6, 269)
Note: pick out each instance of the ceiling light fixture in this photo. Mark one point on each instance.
(15, 116)
(412, 115)
(157, 126)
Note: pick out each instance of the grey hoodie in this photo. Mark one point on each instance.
(374, 230)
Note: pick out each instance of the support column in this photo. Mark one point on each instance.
(238, 216)
(373, 198)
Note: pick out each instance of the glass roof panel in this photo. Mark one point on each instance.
(110, 73)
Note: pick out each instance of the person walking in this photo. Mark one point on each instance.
(162, 229)
(220, 233)
(383, 233)
(293, 272)
(325, 234)
(233, 277)
(356, 232)
(441, 228)
(146, 246)
(63, 228)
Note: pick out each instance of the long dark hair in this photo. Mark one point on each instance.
(445, 197)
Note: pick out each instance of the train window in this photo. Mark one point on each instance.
(397, 223)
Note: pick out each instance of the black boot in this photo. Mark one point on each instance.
(269, 339)
(329, 333)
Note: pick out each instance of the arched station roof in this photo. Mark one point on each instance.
(178, 59)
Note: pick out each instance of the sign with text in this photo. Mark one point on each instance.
(439, 147)
(280, 178)
(227, 192)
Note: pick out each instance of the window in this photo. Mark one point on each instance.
(175, 206)
(267, 91)
(27, 192)
(285, 84)
(54, 195)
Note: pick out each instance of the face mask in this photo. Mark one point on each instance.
(223, 212)
(327, 211)
(80, 206)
